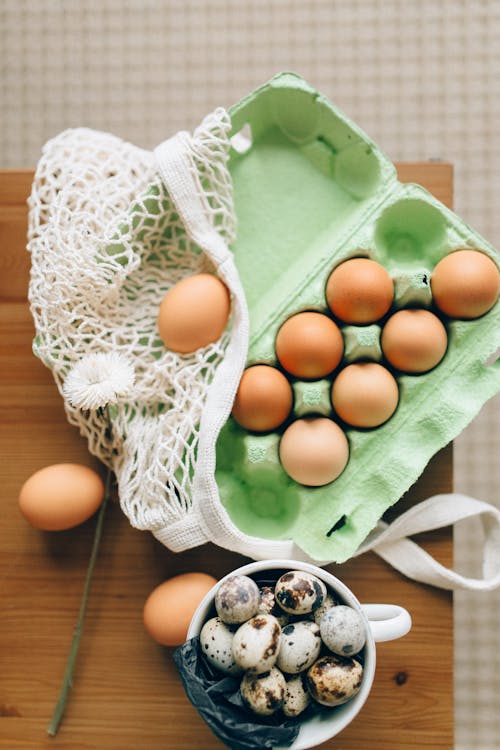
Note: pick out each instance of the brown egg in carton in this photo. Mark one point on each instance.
(371, 349)
(383, 340)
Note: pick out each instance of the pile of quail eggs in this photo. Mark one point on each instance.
(292, 644)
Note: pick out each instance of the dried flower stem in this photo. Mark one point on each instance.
(77, 633)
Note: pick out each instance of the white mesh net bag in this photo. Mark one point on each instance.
(111, 228)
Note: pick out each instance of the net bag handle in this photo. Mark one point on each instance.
(392, 544)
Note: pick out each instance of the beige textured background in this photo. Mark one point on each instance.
(421, 77)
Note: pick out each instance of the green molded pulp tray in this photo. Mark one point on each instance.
(311, 190)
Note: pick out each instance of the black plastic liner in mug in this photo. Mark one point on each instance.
(217, 697)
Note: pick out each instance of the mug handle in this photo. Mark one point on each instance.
(387, 621)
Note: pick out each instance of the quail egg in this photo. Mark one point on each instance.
(299, 593)
(328, 603)
(300, 646)
(268, 606)
(216, 640)
(297, 698)
(256, 644)
(343, 630)
(237, 599)
(333, 680)
(267, 601)
(264, 694)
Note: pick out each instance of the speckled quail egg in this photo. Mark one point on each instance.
(297, 698)
(237, 599)
(343, 630)
(299, 593)
(268, 606)
(328, 603)
(216, 640)
(256, 644)
(264, 694)
(266, 601)
(300, 646)
(333, 680)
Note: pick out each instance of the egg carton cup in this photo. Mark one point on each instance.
(113, 227)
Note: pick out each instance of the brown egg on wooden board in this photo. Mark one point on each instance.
(365, 394)
(414, 340)
(465, 284)
(171, 605)
(309, 345)
(263, 400)
(314, 451)
(359, 290)
(194, 313)
(61, 496)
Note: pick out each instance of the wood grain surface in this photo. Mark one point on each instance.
(126, 693)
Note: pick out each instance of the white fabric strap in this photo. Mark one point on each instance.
(180, 176)
(393, 546)
(182, 181)
(176, 167)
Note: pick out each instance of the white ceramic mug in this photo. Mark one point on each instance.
(384, 622)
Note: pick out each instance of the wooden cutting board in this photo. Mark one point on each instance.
(126, 693)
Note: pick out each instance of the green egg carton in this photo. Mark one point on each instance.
(310, 191)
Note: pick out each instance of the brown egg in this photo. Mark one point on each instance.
(365, 394)
(314, 451)
(414, 340)
(194, 313)
(60, 496)
(309, 345)
(171, 605)
(264, 399)
(359, 291)
(465, 284)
